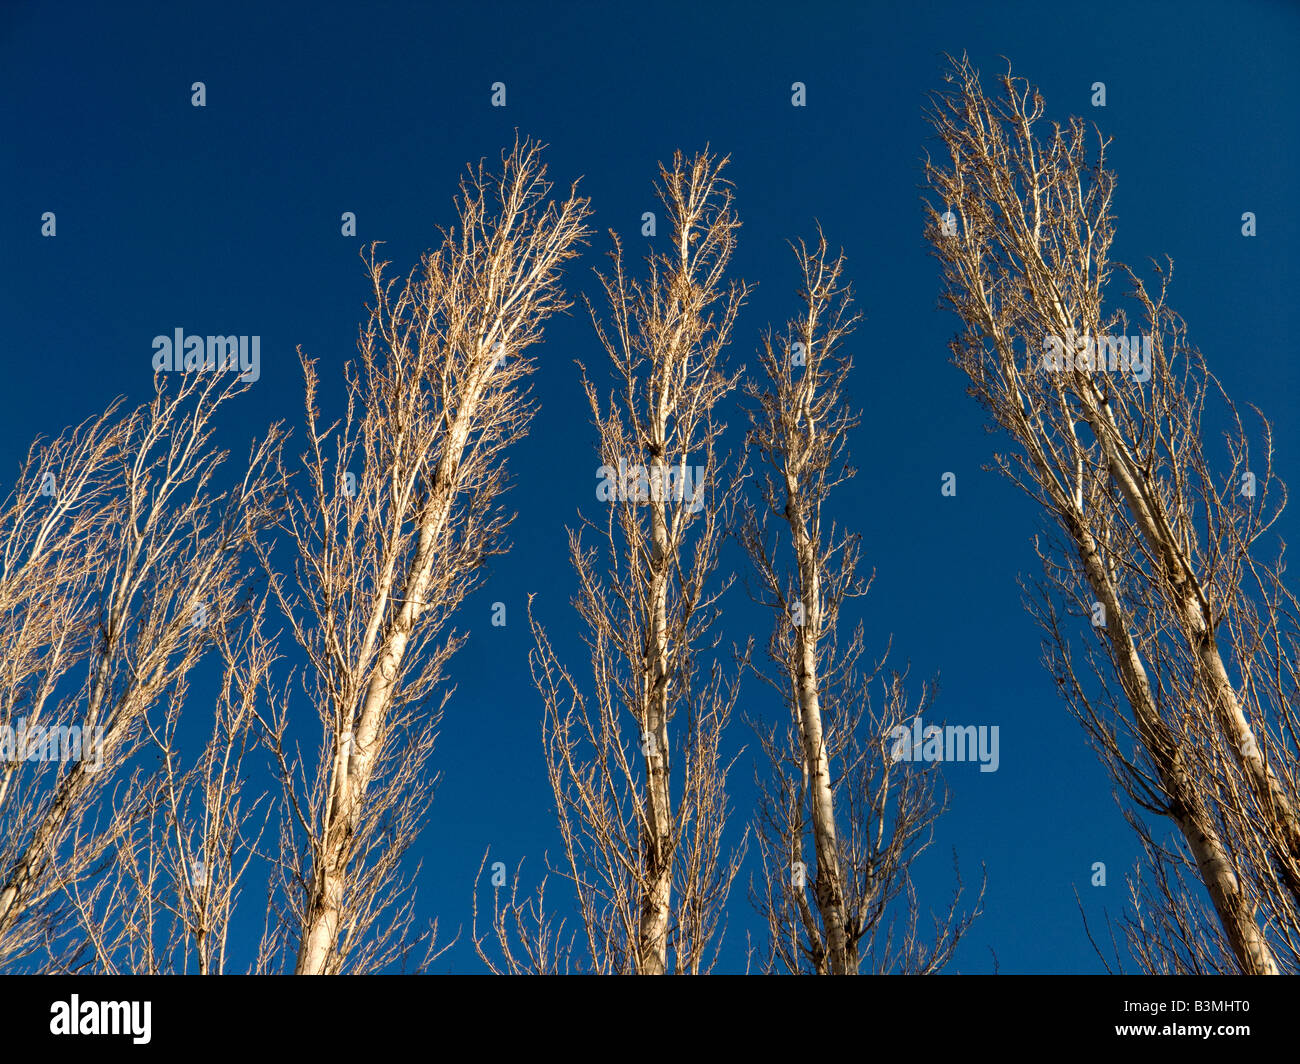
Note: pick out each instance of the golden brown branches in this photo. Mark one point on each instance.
(402, 508)
(1110, 416)
(636, 765)
(122, 565)
(839, 822)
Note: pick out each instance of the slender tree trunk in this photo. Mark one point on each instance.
(1192, 606)
(656, 902)
(829, 884)
(1187, 809)
(352, 776)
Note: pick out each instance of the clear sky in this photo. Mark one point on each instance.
(226, 219)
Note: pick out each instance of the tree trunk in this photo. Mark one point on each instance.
(1187, 809)
(829, 884)
(652, 947)
(352, 771)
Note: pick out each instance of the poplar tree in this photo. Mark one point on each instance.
(840, 821)
(402, 507)
(1156, 500)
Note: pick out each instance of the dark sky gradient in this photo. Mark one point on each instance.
(225, 219)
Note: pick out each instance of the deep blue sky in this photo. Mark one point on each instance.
(226, 220)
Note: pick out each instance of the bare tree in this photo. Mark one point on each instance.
(525, 938)
(164, 904)
(1191, 701)
(401, 511)
(120, 565)
(642, 815)
(834, 781)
